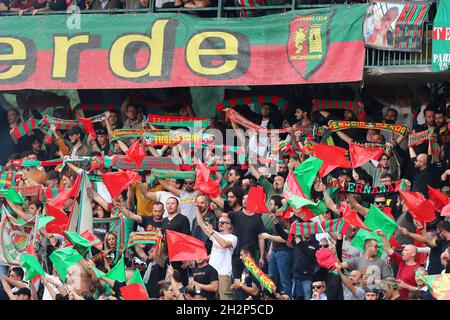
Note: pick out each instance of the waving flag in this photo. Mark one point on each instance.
(182, 247)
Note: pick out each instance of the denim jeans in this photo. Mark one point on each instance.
(301, 289)
(280, 266)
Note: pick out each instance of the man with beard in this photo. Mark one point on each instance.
(77, 149)
(429, 124)
(443, 131)
(422, 172)
(207, 216)
(132, 121)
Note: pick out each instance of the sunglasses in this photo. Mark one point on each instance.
(190, 183)
(324, 245)
(223, 222)
(317, 287)
(380, 202)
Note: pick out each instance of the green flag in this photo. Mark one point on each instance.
(117, 272)
(43, 220)
(377, 219)
(82, 245)
(441, 41)
(98, 273)
(362, 235)
(298, 202)
(136, 278)
(12, 195)
(31, 265)
(306, 173)
(63, 259)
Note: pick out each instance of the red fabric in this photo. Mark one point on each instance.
(438, 199)
(333, 157)
(61, 198)
(351, 216)
(388, 212)
(116, 182)
(405, 273)
(420, 208)
(88, 126)
(285, 214)
(325, 258)
(445, 212)
(256, 200)
(360, 155)
(204, 183)
(134, 291)
(60, 223)
(92, 238)
(182, 247)
(136, 154)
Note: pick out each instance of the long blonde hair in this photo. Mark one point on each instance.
(105, 242)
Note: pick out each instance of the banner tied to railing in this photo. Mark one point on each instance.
(182, 50)
(441, 38)
(395, 25)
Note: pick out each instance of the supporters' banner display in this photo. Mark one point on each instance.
(395, 25)
(252, 100)
(8, 179)
(420, 137)
(352, 187)
(309, 228)
(256, 271)
(337, 125)
(170, 121)
(171, 138)
(15, 235)
(120, 134)
(441, 38)
(356, 107)
(173, 50)
(170, 174)
(142, 238)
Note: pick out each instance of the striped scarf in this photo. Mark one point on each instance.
(310, 228)
(170, 174)
(417, 138)
(25, 128)
(337, 125)
(234, 116)
(120, 134)
(170, 121)
(356, 107)
(149, 163)
(255, 100)
(100, 106)
(145, 237)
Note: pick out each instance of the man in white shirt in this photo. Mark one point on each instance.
(224, 243)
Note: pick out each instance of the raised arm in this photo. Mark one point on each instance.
(358, 207)
(425, 238)
(386, 245)
(170, 188)
(132, 216)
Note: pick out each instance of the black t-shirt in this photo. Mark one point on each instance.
(249, 280)
(179, 224)
(206, 275)
(149, 223)
(246, 229)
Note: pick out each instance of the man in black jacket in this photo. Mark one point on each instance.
(304, 267)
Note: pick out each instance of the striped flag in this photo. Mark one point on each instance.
(310, 228)
(80, 218)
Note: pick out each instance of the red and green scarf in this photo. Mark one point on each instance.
(100, 106)
(337, 125)
(310, 228)
(146, 237)
(25, 128)
(170, 174)
(171, 121)
(417, 138)
(8, 179)
(356, 107)
(256, 100)
(352, 187)
(235, 116)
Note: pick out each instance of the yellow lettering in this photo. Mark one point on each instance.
(19, 52)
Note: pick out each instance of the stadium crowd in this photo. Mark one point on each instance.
(291, 243)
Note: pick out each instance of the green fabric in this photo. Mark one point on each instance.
(63, 259)
(13, 196)
(43, 220)
(441, 48)
(117, 272)
(32, 266)
(136, 278)
(306, 173)
(362, 235)
(376, 219)
(82, 245)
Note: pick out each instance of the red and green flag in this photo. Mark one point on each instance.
(441, 40)
(332, 156)
(310, 228)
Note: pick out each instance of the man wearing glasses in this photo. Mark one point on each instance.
(318, 291)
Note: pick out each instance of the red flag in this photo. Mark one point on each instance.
(333, 157)
(116, 182)
(88, 126)
(182, 247)
(420, 208)
(92, 238)
(136, 154)
(325, 258)
(445, 212)
(439, 199)
(204, 183)
(361, 155)
(351, 216)
(60, 223)
(256, 200)
(134, 291)
(61, 198)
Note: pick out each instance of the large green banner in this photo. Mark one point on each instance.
(441, 38)
(164, 50)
